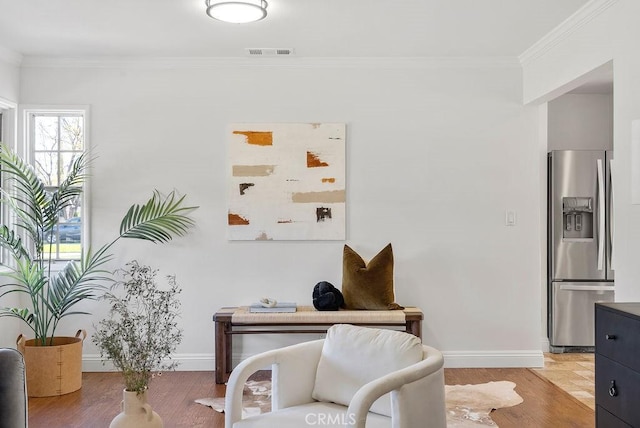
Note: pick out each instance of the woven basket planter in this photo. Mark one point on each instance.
(53, 370)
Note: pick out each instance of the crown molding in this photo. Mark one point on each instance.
(10, 56)
(4, 104)
(583, 16)
(235, 62)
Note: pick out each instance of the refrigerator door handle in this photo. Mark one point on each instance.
(601, 209)
(586, 287)
(611, 222)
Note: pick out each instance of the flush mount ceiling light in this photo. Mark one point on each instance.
(237, 12)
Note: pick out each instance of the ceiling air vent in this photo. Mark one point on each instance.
(269, 52)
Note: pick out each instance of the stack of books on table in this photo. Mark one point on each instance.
(279, 307)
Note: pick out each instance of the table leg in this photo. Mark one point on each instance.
(415, 328)
(221, 351)
(228, 349)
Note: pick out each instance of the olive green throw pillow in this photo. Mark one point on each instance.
(368, 286)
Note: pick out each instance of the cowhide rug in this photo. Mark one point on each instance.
(256, 399)
(467, 405)
(470, 405)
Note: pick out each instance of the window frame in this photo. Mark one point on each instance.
(27, 151)
(8, 136)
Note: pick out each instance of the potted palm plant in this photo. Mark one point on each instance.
(51, 295)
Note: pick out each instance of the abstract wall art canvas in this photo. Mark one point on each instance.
(286, 181)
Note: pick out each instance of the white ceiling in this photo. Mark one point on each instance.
(313, 28)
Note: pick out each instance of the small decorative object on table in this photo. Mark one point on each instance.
(139, 335)
(326, 297)
(267, 304)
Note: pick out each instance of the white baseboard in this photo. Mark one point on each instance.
(186, 363)
(493, 359)
(452, 359)
(545, 344)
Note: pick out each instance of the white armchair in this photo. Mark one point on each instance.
(356, 377)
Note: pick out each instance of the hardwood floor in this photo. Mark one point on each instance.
(575, 373)
(545, 404)
(172, 395)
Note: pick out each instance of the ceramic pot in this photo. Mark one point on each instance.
(55, 369)
(136, 412)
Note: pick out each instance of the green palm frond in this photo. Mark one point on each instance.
(23, 279)
(29, 194)
(76, 282)
(21, 313)
(25, 222)
(30, 279)
(12, 242)
(31, 274)
(158, 220)
(79, 281)
(70, 286)
(91, 262)
(12, 288)
(67, 191)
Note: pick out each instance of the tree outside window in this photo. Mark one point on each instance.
(57, 139)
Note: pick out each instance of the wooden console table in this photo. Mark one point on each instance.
(238, 320)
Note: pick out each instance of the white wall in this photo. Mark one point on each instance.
(9, 75)
(610, 35)
(435, 155)
(581, 122)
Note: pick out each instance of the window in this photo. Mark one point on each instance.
(55, 140)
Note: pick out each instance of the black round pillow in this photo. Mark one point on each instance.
(326, 297)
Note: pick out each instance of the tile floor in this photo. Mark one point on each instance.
(575, 373)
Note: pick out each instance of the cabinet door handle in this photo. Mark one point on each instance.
(610, 337)
(613, 390)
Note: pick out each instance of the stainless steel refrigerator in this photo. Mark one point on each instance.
(579, 245)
